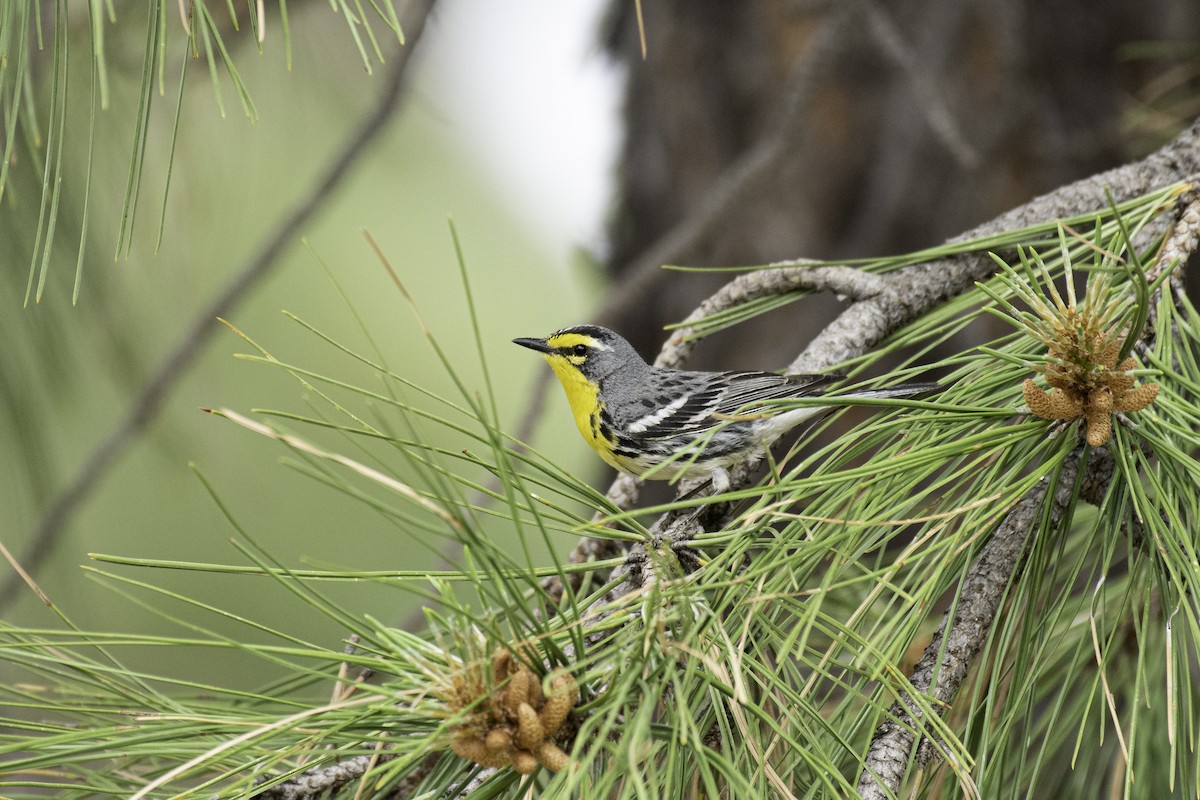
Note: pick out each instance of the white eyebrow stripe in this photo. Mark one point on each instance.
(655, 417)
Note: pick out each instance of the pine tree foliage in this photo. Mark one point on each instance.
(36, 134)
(761, 656)
(754, 660)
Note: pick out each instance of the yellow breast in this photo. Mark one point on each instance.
(585, 406)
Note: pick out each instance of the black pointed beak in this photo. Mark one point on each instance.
(534, 344)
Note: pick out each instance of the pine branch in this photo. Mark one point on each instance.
(881, 305)
(884, 303)
(154, 394)
(943, 667)
(944, 664)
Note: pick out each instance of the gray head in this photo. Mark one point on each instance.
(593, 351)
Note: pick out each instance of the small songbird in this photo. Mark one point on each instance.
(686, 424)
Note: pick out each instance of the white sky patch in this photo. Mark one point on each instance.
(525, 85)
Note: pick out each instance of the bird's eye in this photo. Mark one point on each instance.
(579, 350)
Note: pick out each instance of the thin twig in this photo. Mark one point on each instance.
(176, 365)
(846, 282)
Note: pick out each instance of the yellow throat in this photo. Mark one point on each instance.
(581, 394)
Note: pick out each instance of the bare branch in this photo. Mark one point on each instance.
(844, 281)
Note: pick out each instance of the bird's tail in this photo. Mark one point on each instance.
(901, 390)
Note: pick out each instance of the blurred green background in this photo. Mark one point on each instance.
(70, 373)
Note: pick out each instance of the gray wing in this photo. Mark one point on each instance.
(686, 402)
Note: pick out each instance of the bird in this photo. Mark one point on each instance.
(657, 423)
